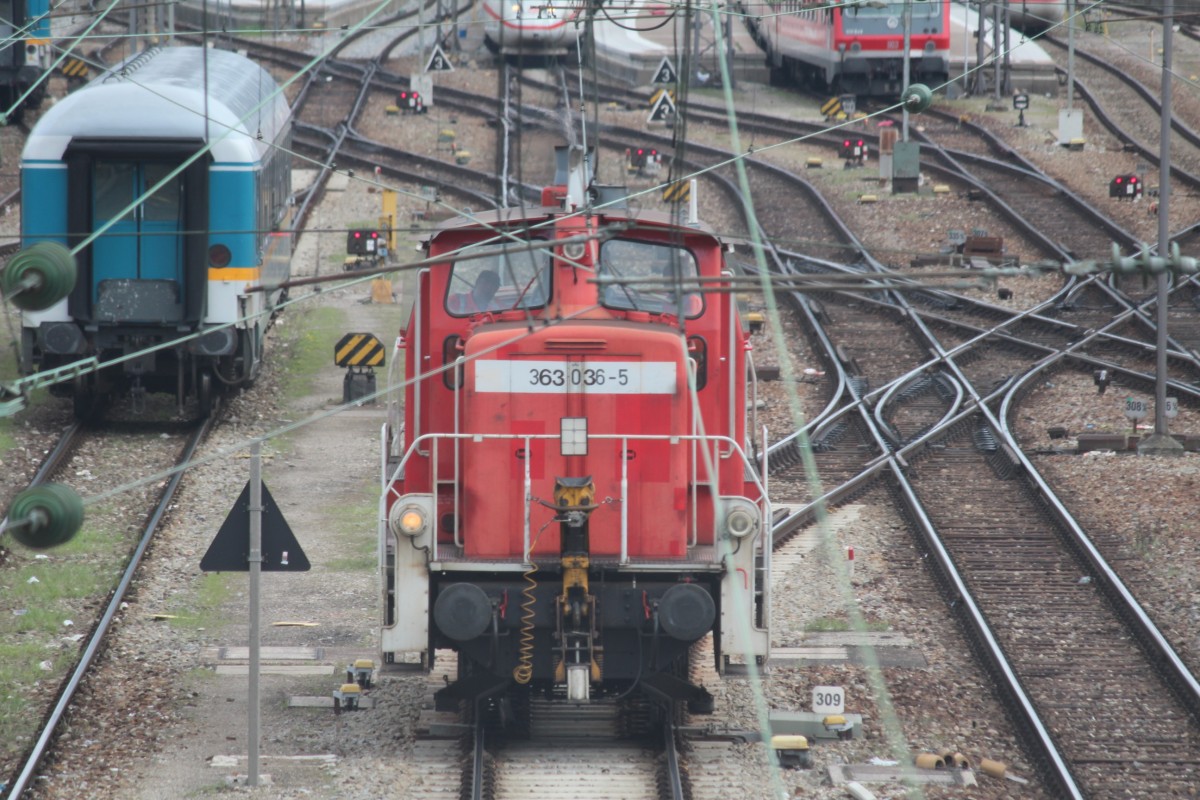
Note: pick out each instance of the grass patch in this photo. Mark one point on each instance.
(355, 526)
(832, 625)
(41, 594)
(19, 672)
(311, 350)
(204, 608)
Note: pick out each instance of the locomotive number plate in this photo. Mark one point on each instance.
(560, 377)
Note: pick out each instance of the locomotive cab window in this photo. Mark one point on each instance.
(653, 268)
(513, 278)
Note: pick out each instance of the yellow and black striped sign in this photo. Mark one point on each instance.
(658, 93)
(75, 68)
(358, 350)
(678, 192)
(833, 108)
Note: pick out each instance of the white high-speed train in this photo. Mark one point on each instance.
(532, 27)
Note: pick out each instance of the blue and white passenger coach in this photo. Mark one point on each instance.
(186, 239)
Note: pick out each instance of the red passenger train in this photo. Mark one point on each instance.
(853, 47)
(573, 500)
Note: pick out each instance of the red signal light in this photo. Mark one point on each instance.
(1133, 178)
(641, 152)
(846, 143)
(357, 234)
(374, 234)
(1120, 180)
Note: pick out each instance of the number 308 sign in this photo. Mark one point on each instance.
(829, 700)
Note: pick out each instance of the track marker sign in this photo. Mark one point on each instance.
(438, 61)
(1136, 408)
(664, 109)
(828, 700)
(665, 72)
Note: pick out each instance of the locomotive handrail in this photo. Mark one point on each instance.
(761, 501)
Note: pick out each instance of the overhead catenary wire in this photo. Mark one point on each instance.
(774, 286)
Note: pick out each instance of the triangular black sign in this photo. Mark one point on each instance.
(663, 109)
(230, 550)
(665, 72)
(438, 61)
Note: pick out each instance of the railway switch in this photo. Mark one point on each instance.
(839, 726)
(360, 672)
(1125, 187)
(792, 751)
(346, 698)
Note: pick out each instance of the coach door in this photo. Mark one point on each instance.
(144, 244)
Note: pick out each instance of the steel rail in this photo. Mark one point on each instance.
(67, 694)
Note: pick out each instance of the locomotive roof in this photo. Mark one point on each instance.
(542, 215)
(160, 94)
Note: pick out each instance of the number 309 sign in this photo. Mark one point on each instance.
(829, 700)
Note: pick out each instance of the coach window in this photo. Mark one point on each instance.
(651, 269)
(508, 277)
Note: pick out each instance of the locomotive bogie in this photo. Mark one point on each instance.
(175, 230)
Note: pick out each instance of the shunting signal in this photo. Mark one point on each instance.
(410, 101)
(1125, 187)
(853, 150)
(642, 159)
(362, 242)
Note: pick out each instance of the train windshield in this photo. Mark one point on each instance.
(508, 276)
(921, 9)
(651, 269)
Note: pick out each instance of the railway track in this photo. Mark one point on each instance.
(81, 452)
(924, 414)
(982, 360)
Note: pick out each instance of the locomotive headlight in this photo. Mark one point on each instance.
(574, 251)
(219, 255)
(408, 519)
(741, 518)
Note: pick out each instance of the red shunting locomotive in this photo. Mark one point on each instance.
(572, 501)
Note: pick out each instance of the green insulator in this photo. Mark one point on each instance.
(39, 276)
(45, 515)
(918, 98)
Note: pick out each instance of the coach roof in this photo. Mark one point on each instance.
(160, 94)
